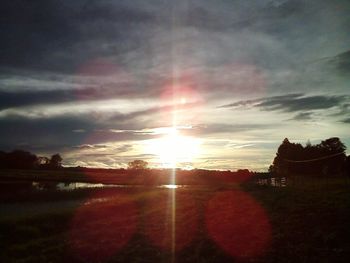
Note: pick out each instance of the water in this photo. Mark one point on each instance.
(74, 186)
(9, 209)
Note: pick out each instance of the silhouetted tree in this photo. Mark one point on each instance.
(333, 146)
(43, 161)
(18, 159)
(137, 164)
(308, 144)
(347, 166)
(279, 165)
(328, 157)
(56, 161)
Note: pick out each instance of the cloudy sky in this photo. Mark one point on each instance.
(104, 82)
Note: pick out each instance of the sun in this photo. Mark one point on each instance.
(174, 148)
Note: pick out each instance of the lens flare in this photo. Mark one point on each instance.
(238, 224)
(171, 220)
(102, 226)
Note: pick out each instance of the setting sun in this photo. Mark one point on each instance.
(174, 148)
(175, 131)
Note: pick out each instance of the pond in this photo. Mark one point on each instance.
(61, 186)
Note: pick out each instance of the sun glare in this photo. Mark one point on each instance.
(173, 148)
(170, 186)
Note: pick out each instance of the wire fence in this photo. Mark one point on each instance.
(315, 159)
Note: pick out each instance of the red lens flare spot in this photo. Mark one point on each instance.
(184, 102)
(179, 94)
(238, 224)
(102, 226)
(169, 225)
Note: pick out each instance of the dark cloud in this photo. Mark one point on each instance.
(216, 128)
(61, 35)
(246, 103)
(240, 15)
(341, 62)
(292, 102)
(346, 120)
(43, 132)
(31, 30)
(60, 131)
(344, 62)
(303, 116)
(81, 130)
(49, 97)
(60, 52)
(12, 99)
(303, 103)
(49, 34)
(105, 136)
(106, 11)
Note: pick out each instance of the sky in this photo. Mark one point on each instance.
(212, 84)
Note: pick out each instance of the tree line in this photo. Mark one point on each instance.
(325, 158)
(19, 159)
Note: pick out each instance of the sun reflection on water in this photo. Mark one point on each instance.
(170, 186)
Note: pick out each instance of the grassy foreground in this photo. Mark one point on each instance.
(308, 220)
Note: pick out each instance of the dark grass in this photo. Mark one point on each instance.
(47, 175)
(310, 221)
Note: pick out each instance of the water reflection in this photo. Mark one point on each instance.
(64, 186)
(108, 219)
(170, 186)
(45, 185)
(74, 186)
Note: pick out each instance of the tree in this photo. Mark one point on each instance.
(333, 145)
(18, 159)
(283, 152)
(308, 144)
(328, 158)
(347, 166)
(42, 161)
(56, 161)
(137, 165)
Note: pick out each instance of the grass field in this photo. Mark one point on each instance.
(307, 221)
